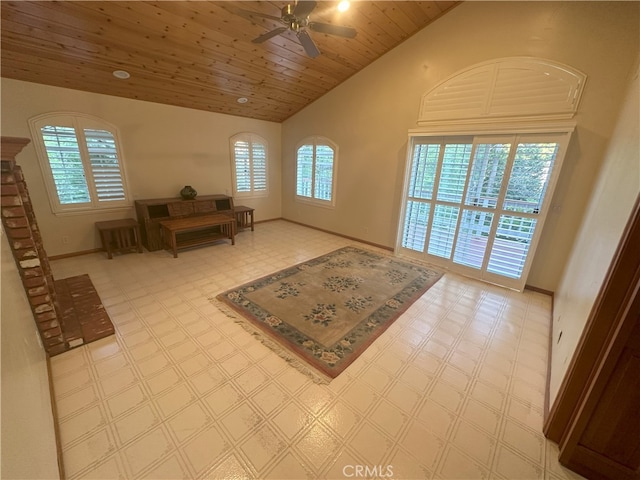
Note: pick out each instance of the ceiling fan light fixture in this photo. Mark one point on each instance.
(295, 18)
(121, 74)
(343, 6)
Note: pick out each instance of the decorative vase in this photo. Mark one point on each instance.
(188, 193)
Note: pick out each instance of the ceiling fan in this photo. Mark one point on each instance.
(295, 17)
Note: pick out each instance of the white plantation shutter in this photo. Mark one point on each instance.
(105, 166)
(249, 152)
(316, 170)
(471, 244)
(259, 167)
(443, 228)
(476, 204)
(415, 222)
(242, 166)
(324, 172)
(304, 171)
(63, 153)
(511, 246)
(453, 173)
(80, 159)
(450, 187)
(421, 182)
(487, 173)
(425, 162)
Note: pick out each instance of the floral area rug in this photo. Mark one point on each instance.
(328, 310)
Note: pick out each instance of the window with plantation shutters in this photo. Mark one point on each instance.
(249, 165)
(81, 161)
(105, 165)
(476, 204)
(316, 159)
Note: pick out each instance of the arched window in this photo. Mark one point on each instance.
(81, 161)
(482, 168)
(249, 154)
(316, 166)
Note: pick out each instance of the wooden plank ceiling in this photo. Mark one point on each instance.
(199, 54)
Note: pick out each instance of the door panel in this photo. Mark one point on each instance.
(596, 415)
(443, 228)
(616, 420)
(472, 238)
(609, 446)
(511, 245)
(475, 204)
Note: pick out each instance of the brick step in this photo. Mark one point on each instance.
(83, 316)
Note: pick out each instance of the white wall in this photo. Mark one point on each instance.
(613, 198)
(369, 115)
(28, 444)
(164, 148)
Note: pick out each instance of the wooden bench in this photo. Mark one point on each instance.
(199, 230)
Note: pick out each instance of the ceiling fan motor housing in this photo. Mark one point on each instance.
(289, 17)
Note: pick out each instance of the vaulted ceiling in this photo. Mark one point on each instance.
(200, 54)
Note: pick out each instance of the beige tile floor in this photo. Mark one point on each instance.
(453, 390)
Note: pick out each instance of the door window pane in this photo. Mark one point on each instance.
(445, 220)
(423, 171)
(415, 225)
(472, 239)
(486, 175)
(530, 176)
(473, 203)
(511, 245)
(455, 163)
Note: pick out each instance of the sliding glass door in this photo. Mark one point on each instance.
(476, 204)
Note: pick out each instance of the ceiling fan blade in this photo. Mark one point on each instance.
(303, 8)
(338, 30)
(266, 36)
(307, 43)
(250, 15)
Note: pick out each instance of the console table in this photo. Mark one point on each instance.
(151, 212)
(199, 230)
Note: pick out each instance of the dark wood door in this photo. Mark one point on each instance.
(600, 428)
(609, 445)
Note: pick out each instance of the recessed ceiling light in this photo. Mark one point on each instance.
(121, 74)
(343, 6)
(242, 100)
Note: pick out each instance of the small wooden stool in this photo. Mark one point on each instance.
(119, 235)
(244, 216)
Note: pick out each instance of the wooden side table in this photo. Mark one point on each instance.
(119, 236)
(244, 217)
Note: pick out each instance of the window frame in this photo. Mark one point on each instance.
(79, 122)
(562, 131)
(251, 139)
(315, 141)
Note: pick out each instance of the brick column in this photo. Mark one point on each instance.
(20, 225)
